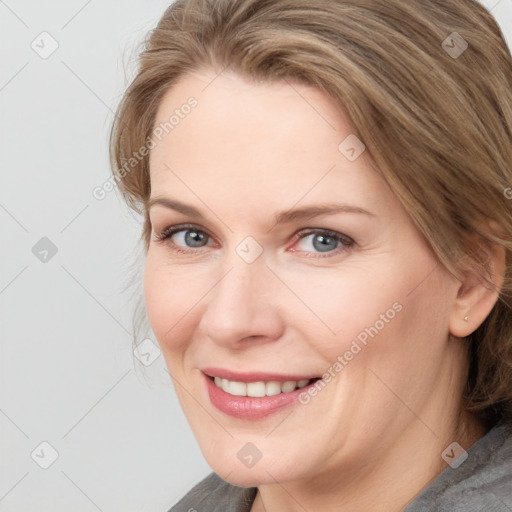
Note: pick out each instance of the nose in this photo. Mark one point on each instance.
(243, 306)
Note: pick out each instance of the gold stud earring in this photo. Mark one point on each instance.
(465, 319)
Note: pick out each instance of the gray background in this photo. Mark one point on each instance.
(68, 374)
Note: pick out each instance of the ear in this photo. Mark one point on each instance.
(475, 296)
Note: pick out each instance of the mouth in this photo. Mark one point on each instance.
(253, 396)
(260, 389)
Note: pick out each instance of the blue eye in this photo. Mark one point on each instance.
(321, 240)
(184, 236)
(191, 238)
(322, 243)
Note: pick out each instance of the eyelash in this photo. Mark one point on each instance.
(346, 241)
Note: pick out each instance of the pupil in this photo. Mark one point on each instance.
(326, 243)
(194, 239)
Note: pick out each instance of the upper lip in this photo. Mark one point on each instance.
(254, 376)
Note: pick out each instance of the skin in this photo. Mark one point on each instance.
(372, 438)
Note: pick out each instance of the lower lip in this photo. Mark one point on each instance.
(247, 407)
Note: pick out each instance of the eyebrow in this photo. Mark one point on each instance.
(174, 205)
(308, 212)
(287, 216)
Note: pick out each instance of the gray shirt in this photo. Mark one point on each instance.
(483, 482)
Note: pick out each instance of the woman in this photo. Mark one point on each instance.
(326, 194)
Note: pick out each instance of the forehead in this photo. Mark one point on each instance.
(231, 110)
(257, 140)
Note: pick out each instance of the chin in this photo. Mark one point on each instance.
(264, 471)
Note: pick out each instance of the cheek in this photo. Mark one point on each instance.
(351, 304)
(374, 313)
(402, 351)
(167, 299)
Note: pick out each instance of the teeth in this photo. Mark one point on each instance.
(259, 389)
(236, 388)
(288, 386)
(273, 388)
(254, 389)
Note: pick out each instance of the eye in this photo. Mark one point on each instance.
(322, 241)
(188, 236)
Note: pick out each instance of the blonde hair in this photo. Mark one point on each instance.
(435, 116)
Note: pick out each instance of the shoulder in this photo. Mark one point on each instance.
(213, 494)
(483, 481)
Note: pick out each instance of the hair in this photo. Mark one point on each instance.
(436, 122)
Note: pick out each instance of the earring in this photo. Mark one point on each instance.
(465, 319)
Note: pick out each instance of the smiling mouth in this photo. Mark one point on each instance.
(252, 396)
(260, 389)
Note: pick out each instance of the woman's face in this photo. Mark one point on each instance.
(291, 260)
